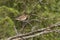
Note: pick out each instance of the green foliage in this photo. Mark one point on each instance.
(47, 11)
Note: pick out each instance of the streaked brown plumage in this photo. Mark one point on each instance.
(22, 17)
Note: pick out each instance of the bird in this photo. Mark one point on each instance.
(23, 17)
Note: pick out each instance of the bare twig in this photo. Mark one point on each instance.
(32, 34)
(37, 32)
(16, 30)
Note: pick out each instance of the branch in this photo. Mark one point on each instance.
(36, 32)
(30, 35)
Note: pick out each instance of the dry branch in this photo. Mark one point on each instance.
(37, 32)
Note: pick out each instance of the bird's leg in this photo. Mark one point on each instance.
(23, 26)
(29, 24)
(28, 21)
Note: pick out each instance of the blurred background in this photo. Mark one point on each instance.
(46, 12)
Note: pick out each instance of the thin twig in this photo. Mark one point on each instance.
(16, 30)
(30, 35)
(37, 32)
